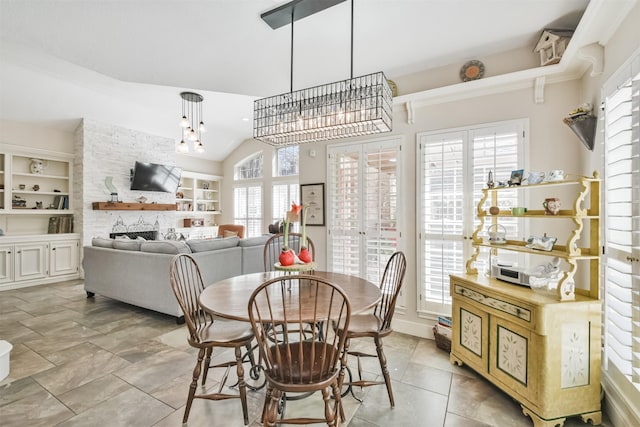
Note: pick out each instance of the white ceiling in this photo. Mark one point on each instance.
(125, 62)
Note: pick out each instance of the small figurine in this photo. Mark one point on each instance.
(490, 183)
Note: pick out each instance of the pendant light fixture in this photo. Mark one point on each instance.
(357, 106)
(191, 123)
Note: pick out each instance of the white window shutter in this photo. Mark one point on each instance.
(622, 224)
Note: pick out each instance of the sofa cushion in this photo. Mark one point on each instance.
(165, 247)
(203, 245)
(254, 241)
(102, 242)
(126, 244)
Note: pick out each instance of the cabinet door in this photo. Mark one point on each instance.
(512, 355)
(6, 263)
(470, 341)
(63, 258)
(30, 261)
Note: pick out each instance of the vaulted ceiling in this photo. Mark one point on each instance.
(125, 62)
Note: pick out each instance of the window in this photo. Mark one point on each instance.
(285, 189)
(247, 194)
(286, 161)
(247, 208)
(283, 194)
(250, 168)
(622, 228)
(453, 167)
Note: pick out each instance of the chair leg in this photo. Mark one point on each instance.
(338, 409)
(271, 408)
(329, 412)
(267, 399)
(242, 385)
(383, 367)
(207, 363)
(193, 386)
(343, 364)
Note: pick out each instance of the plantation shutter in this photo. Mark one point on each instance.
(442, 216)
(283, 195)
(248, 208)
(363, 198)
(622, 224)
(344, 215)
(381, 208)
(453, 167)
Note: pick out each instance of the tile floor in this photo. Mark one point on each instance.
(98, 362)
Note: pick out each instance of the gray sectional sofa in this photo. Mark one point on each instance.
(137, 271)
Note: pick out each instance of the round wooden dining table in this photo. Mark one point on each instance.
(229, 298)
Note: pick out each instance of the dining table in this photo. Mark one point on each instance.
(229, 298)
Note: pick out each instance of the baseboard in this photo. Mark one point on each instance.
(416, 329)
(38, 282)
(617, 406)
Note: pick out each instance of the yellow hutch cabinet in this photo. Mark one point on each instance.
(543, 350)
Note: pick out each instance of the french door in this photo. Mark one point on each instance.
(363, 202)
(453, 167)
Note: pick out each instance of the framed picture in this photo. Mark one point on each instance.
(312, 197)
(516, 177)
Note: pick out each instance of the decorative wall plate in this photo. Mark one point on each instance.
(472, 70)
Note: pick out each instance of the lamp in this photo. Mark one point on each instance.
(352, 107)
(191, 123)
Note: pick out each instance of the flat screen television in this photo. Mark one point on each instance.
(155, 177)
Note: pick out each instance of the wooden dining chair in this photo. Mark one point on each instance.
(377, 324)
(273, 247)
(205, 334)
(295, 361)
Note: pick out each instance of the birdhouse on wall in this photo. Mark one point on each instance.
(552, 44)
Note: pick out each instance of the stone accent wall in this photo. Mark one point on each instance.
(107, 150)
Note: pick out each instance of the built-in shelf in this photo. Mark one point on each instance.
(108, 206)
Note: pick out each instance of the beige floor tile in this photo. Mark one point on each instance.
(68, 376)
(25, 362)
(39, 409)
(129, 408)
(91, 394)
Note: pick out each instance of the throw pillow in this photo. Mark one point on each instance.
(102, 242)
(126, 244)
(165, 247)
(203, 245)
(228, 233)
(254, 241)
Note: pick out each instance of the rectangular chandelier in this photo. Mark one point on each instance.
(357, 106)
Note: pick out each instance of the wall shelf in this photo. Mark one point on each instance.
(109, 206)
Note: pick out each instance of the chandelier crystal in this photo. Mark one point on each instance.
(191, 123)
(352, 107)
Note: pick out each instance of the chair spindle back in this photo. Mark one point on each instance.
(390, 285)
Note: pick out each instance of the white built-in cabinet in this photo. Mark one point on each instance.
(198, 198)
(38, 259)
(37, 245)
